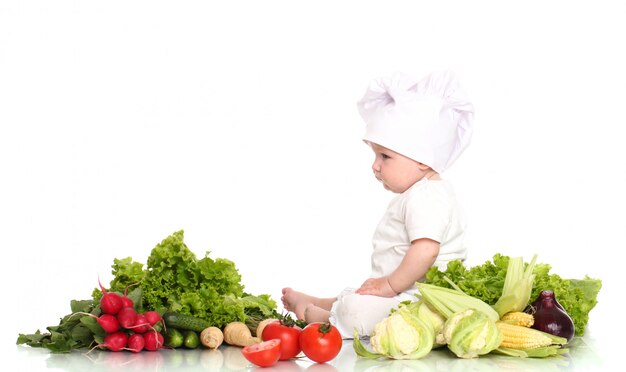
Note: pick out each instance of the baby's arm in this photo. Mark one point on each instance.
(418, 259)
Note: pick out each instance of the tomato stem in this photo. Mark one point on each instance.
(287, 320)
(325, 328)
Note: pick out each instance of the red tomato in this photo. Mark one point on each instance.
(288, 336)
(320, 342)
(264, 354)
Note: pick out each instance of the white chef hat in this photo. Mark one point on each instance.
(429, 120)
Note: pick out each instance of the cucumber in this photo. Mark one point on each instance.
(173, 338)
(192, 341)
(185, 322)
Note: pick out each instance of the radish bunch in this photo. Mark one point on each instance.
(125, 328)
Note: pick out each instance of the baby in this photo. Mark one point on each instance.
(416, 130)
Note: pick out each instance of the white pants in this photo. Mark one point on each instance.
(362, 312)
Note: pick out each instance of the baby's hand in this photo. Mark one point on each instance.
(376, 287)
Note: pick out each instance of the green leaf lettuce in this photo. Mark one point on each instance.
(176, 280)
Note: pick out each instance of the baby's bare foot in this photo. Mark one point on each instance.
(296, 301)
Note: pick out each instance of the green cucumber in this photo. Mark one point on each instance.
(185, 322)
(192, 341)
(173, 338)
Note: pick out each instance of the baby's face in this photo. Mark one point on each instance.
(395, 171)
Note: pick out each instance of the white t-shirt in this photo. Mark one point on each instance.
(428, 209)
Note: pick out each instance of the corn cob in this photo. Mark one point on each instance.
(518, 318)
(519, 337)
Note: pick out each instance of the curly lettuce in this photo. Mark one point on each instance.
(577, 296)
(176, 280)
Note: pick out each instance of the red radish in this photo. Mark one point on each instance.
(141, 324)
(153, 340)
(152, 317)
(108, 322)
(115, 341)
(127, 302)
(110, 303)
(127, 317)
(136, 343)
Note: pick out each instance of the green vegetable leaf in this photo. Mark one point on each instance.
(59, 343)
(34, 340)
(83, 335)
(261, 305)
(92, 325)
(84, 306)
(360, 349)
(127, 272)
(73, 331)
(136, 295)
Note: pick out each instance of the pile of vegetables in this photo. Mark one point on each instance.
(445, 314)
(504, 306)
(174, 279)
(271, 341)
(190, 332)
(202, 292)
(486, 282)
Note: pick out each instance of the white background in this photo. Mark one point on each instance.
(122, 122)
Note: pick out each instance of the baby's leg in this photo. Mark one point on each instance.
(362, 312)
(297, 302)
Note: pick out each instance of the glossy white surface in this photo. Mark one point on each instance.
(583, 356)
